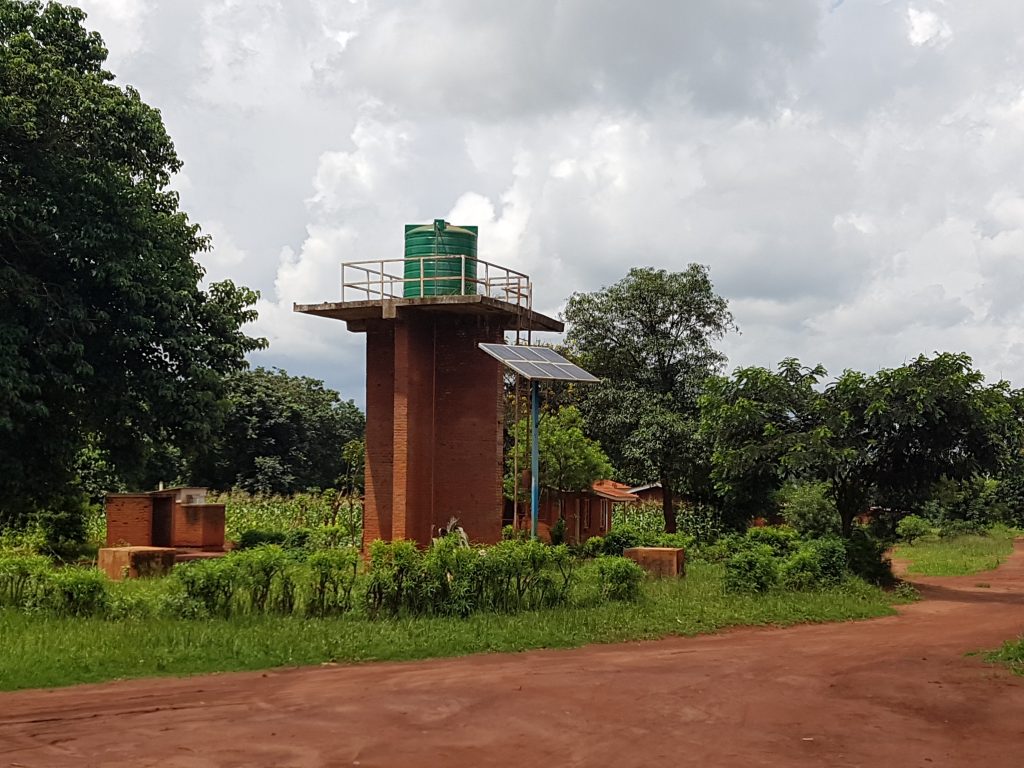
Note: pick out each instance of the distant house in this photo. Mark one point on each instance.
(587, 513)
(651, 493)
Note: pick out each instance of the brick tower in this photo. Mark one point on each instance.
(434, 409)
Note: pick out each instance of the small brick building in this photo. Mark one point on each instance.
(587, 513)
(171, 517)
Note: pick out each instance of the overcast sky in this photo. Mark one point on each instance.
(851, 171)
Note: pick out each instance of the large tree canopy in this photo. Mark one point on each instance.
(885, 438)
(283, 434)
(651, 338)
(105, 334)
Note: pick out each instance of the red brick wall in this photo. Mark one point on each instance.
(380, 421)
(212, 526)
(129, 520)
(434, 433)
(468, 452)
(186, 525)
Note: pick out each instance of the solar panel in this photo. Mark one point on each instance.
(537, 363)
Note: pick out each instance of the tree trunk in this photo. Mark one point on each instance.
(667, 508)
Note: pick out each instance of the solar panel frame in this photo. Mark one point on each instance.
(538, 363)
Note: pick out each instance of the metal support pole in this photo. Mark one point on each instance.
(534, 456)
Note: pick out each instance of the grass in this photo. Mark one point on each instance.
(957, 556)
(1011, 654)
(43, 651)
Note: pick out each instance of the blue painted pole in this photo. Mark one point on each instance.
(534, 457)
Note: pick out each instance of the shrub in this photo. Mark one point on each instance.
(72, 592)
(395, 567)
(209, 583)
(592, 547)
(332, 575)
(724, 548)
(912, 527)
(253, 537)
(802, 570)
(332, 537)
(298, 538)
(557, 532)
(782, 540)
(953, 528)
(261, 572)
(679, 540)
(624, 535)
(806, 507)
(865, 556)
(20, 577)
(620, 578)
(830, 553)
(128, 606)
(63, 526)
(753, 569)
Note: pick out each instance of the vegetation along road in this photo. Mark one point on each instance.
(901, 690)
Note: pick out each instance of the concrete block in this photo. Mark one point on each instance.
(136, 562)
(659, 561)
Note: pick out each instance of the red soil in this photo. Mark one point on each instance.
(897, 691)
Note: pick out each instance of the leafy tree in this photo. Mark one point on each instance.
(753, 420)
(105, 335)
(569, 460)
(282, 434)
(886, 438)
(651, 338)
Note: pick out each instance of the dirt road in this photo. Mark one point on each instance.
(897, 691)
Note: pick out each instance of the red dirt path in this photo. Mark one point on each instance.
(896, 691)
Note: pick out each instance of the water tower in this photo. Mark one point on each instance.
(434, 402)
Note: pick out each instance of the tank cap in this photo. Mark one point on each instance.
(440, 225)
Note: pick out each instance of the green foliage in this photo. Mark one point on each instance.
(209, 585)
(72, 592)
(621, 578)
(645, 519)
(701, 521)
(256, 538)
(865, 556)
(781, 540)
(753, 569)
(569, 460)
(20, 577)
(807, 507)
(913, 527)
(106, 337)
(593, 547)
(817, 563)
(1011, 654)
(282, 434)
(328, 514)
(952, 529)
(332, 578)
(557, 532)
(651, 338)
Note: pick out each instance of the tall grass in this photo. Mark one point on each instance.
(328, 508)
(959, 555)
(44, 651)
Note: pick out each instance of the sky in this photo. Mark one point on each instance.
(849, 170)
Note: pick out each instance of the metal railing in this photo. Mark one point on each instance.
(385, 279)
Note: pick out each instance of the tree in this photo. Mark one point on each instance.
(886, 438)
(651, 338)
(283, 434)
(753, 420)
(105, 334)
(569, 460)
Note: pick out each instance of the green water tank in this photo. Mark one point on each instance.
(434, 259)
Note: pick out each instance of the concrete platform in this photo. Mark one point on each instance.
(121, 563)
(659, 561)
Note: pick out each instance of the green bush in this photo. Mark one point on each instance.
(625, 535)
(952, 528)
(620, 578)
(592, 547)
(830, 553)
(723, 548)
(20, 577)
(806, 507)
(211, 584)
(646, 519)
(753, 569)
(332, 576)
(72, 592)
(865, 556)
(801, 571)
(782, 540)
(678, 540)
(252, 538)
(557, 532)
(912, 527)
(263, 579)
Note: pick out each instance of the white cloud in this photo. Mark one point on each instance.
(849, 171)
